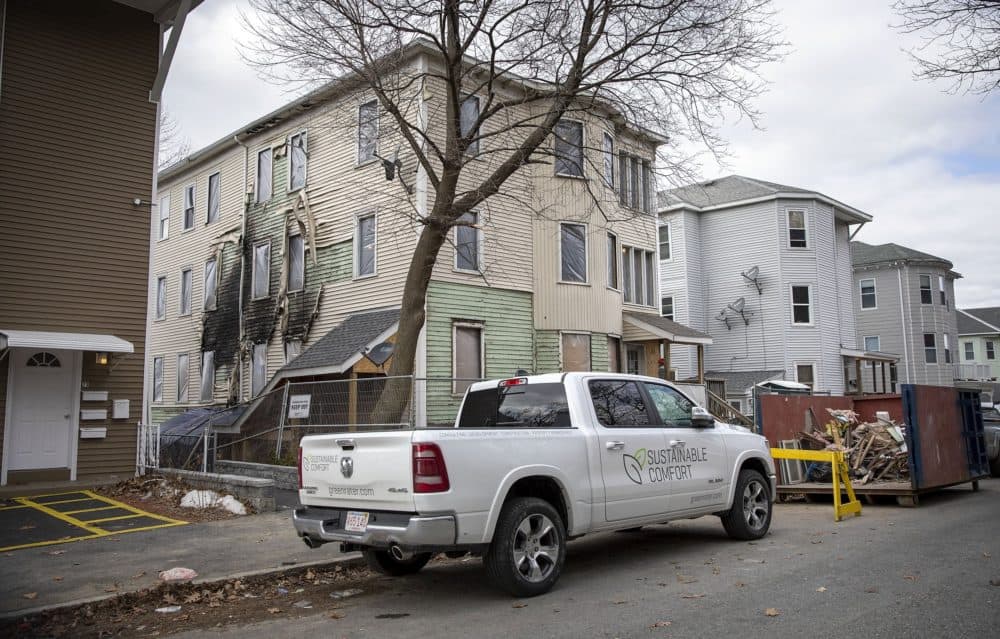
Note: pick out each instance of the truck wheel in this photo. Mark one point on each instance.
(383, 562)
(750, 515)
(528, 548)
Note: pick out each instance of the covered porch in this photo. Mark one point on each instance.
(869, 372)
(648, 339)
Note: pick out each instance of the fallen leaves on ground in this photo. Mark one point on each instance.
(821, 589)
(660, 624)
(995, 582)
(57, 578)
(518, 604)
(30, 595)
(336, 615)
(772, 612)
(692, 595)
(274, 611)
(871, 589)
(56, 552)
(911, 577)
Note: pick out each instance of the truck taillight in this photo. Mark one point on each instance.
(429, 472)
(300, 468)
(514, 381)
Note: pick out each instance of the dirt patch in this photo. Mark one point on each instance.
(162, 496)
(297, 593)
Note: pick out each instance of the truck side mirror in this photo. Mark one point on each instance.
(701, 418)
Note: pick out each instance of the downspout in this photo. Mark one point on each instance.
(242, 248)
(902, 320)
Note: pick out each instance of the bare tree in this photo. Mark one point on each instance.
(961, 41)
(679, 67)
(174, 147)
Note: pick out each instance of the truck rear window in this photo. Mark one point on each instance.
(524, 406)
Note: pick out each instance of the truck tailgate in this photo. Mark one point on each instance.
(367, 471)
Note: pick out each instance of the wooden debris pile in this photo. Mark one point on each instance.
(875, 451)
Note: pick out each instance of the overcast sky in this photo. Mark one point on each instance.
(843, 116)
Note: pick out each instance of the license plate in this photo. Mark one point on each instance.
(356, 521)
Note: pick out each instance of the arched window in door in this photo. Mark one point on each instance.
(43, 359)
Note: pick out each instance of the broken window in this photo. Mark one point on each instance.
(468, 117)
(297, 161)
(189, 207)
(367, 131)
(573, 252)
(569, 148)
(161, 297)
(211, 281)
(258, 372)
(214, 193)
(157, 379)
(182, 377)
(164, 217)
(264, 175)
(296, 263)
(366, 245)
(467, 243)
(467, 359)
(185, 308)
(261, 270)
(207, 376)
(575, 352)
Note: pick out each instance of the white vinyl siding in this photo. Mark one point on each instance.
(261, 270)
(366, 242)
(161, 297)
(367, 131)
(569, 148)
(164, 209)
(182, 377)
(258, 368)
(265, 175)
(189, 193)
(157, 379)
(296, 263)
(207, 382)
(214, 195)
(186, 287)
(575, 352)
(573, 253)
(211, 283)
(297, 154)
(467, 355)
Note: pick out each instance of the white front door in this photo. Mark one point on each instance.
(42, 425)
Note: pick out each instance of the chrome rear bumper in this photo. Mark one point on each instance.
(408, 532)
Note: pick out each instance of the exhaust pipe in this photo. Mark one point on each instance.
(398, 554)
(312, 543)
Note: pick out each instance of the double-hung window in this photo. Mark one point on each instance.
(623, 194)
(612, 261)
(157, 379)
(467, 240)
(467, 355)
(367, 131)
(664, 233)
(164, 217)
(873, 344)
(258, 371)
(947, 348)
(265, 175)
(296, 263)
(930, 348)
(468, 118)
(667, 307)
(868, 293)
(161, 297)
(211, 282)
(207, 376)
(569, 148)
(608, 148)
(365, 245)
(297, 155)
(639, 276)
(573, 252)
(926, 297)
(648, 186)
(941, 291)
(797, 229)
(189, 207)
(186, 284)
(991, 352)
(801, 305)
(970, 350)
(261, 270)
(182, 377)
(214, 194)
(634, 188)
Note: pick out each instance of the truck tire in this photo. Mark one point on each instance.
(750, 515)
(382, 561)
(528, 548)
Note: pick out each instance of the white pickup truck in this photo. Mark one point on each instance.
(531, 463)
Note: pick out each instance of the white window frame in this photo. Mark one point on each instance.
(878, 342)
(208, 199)
(473, 148)
(991, 350)
(629, 290)
(947, 348)
(163, 231)
(805, 229)
(158, 376)
(613, 257)
(305, 168)
(670, 243)
(590, 350)
(266, 275)
(207, 357)
(357, 145)
(479, 246)
(191, 189)
(357, 246)
(257, 182)
(649, 278)
(161, 309)
(258, 381)
(608, 155)
(736, 405)
(673, 310)
(934, 348)
(215, 285)
(302, 263)
(623, 164)
(792, 305)
(969, 351)
(481, 327)
(929, 289)
(634, 182)
(586, 251)
(583, 149)
(942, 291)
(181, 311)
(861, 293)
(182, 397)
(811, 365)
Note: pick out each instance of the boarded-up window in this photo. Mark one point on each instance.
(214, 193)
(366, 245)
(467, 243)
(573, 252)
(801, 306)
(569, 148)
(264, 175)
(614, 354)
(797, 229)
(930, 348)
(805, 374)
(258, 372)
(468, 117)
(189, 207)
(185, 308)
(575, 352)
(164, 217)
(161, 297)
(297, 161)
(157, 379)
(296, 263)
(612, 261)
(211, 282)
(467, 356)
(292, 349)
(182, 378)
(261, 270)
(868, 293)
(207, 376)
(367, 131)
(609, 160)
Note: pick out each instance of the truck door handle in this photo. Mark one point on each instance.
(676, 443)
(615, 445)
(346, 444)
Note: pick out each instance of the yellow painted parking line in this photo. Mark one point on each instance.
(87, 510)
(14, 507)
(143, 528)
(135, 510)
(66, 518)
(61, 501)
(50, 542)
(101, 521)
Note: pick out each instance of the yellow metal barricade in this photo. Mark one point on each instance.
(840, 475)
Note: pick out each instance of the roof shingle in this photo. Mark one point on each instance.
(345, 340)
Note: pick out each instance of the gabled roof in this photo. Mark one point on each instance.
(665, 328)
(736, 190)
(740, 382)
(868, 254)
(339, 349)
(979, 321)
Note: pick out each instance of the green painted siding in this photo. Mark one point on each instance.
(547, 352)
(163, 413)
(598, 352)
(507, 322)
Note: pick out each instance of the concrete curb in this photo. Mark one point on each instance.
(348, 561)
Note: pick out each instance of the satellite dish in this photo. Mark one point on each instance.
(737, 306)
(752, 273)
(380, 354)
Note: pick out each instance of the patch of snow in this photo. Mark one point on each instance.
(200, 499)
(233, 505)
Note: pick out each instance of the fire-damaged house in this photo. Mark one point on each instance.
(282, 252)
